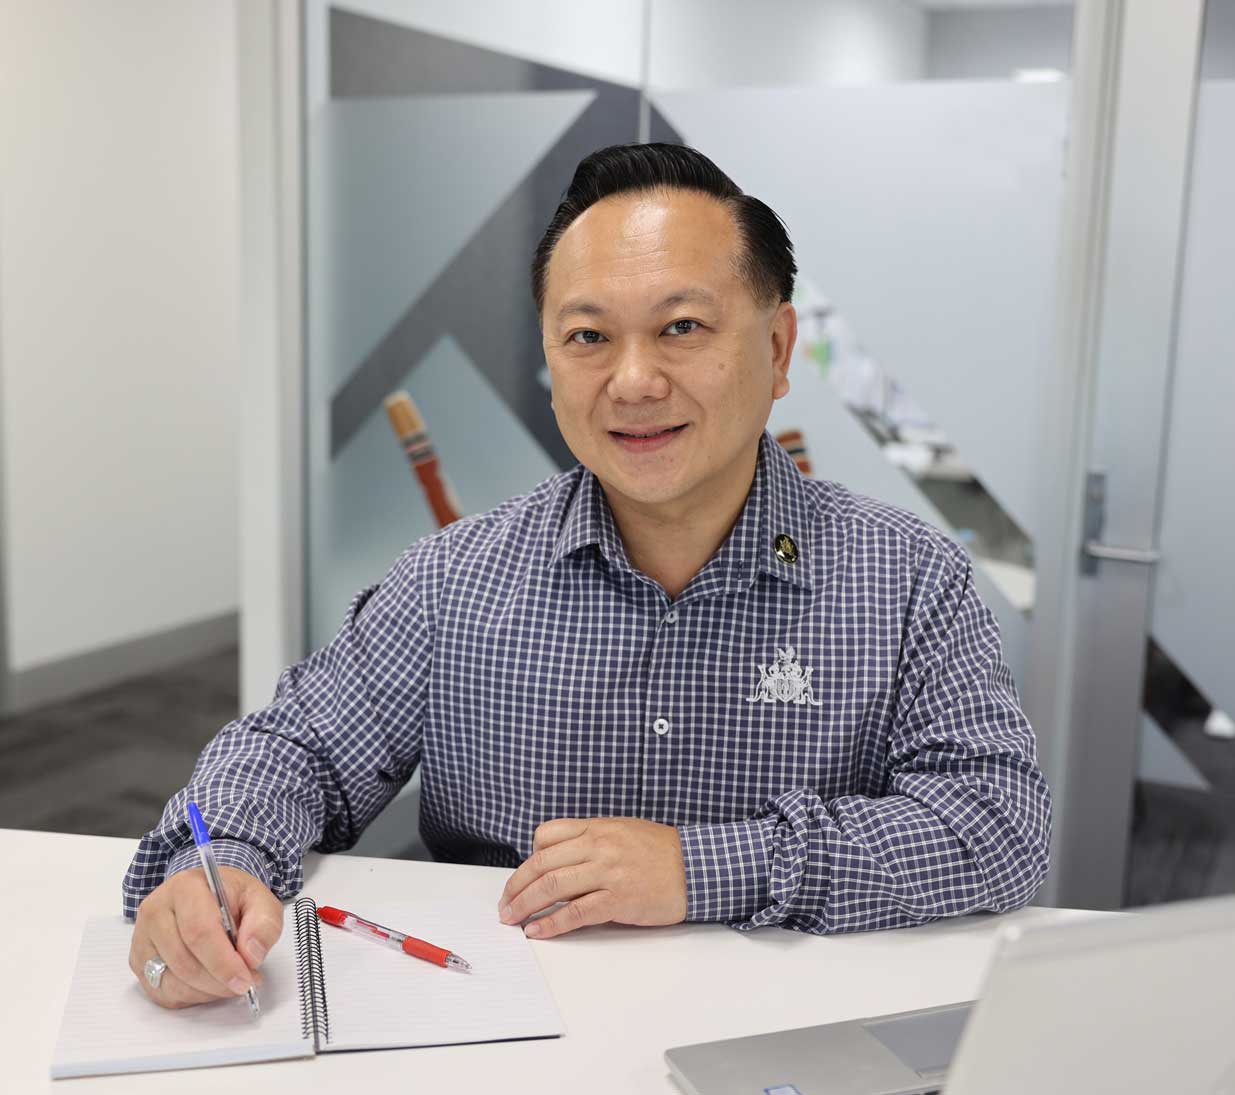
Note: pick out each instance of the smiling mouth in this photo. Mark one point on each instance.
(643, 435)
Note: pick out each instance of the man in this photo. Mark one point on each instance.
(680, 681)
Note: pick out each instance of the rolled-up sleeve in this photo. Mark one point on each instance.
(965, 818)
(313, 768)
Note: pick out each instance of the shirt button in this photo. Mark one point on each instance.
(661, 726)
(671, 616)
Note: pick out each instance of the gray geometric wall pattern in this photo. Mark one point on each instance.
(488, 276)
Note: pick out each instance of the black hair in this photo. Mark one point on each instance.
(765, 262)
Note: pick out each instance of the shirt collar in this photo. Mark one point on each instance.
(777, 505)
(589, 520)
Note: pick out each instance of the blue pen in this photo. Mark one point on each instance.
(201, 837)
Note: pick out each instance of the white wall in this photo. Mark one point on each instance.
(971, 44)
(118, 266)
(977, 45)
(602, 38)
(736, 43)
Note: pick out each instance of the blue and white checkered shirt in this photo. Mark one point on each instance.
(837, 737)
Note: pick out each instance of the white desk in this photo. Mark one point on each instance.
(626, 994)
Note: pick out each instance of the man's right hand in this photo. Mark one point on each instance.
(179, 922)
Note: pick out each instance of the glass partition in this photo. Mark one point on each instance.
(923, 190)
(925, 210)
(439, 138)
(926, 221)
(916, 156)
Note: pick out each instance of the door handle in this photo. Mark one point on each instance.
(1122, 555)
(1095, 518)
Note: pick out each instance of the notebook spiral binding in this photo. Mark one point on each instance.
(311, 973)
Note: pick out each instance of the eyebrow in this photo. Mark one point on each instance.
(683, 296)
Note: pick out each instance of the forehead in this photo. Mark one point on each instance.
(644, 241)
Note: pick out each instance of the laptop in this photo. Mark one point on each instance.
(1141, 1002)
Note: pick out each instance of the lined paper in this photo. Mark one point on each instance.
(379, 997)
(110, 1026)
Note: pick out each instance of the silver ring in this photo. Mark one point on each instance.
(155, 968)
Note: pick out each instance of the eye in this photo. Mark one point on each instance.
(585, 338)
(682, 327)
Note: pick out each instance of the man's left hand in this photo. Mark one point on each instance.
(611, 868)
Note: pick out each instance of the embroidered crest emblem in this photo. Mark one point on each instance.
(785, 681)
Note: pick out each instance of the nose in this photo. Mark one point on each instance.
(636, 375)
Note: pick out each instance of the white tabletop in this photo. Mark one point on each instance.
(625, 994)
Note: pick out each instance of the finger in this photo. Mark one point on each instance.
(558, 830)
(592, 908)
(560, 885)
(539, 863)
(201, 930)
(164, 940)
(261, 921)
(172, 992)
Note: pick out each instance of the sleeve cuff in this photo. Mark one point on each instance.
(727, 869)
(229, 853)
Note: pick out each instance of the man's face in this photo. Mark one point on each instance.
(648, 327)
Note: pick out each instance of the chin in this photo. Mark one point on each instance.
(644, 491)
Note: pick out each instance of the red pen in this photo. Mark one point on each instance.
(417, 948)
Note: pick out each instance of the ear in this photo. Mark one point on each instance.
(783, 334)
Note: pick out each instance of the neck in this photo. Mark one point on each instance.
(671, 543)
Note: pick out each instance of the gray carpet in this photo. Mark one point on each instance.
(1183, 841)
(106, 763)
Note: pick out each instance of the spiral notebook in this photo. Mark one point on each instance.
(324, 990)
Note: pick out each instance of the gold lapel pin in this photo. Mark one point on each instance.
(786, 550)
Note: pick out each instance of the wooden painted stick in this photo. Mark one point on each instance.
(409, 426)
